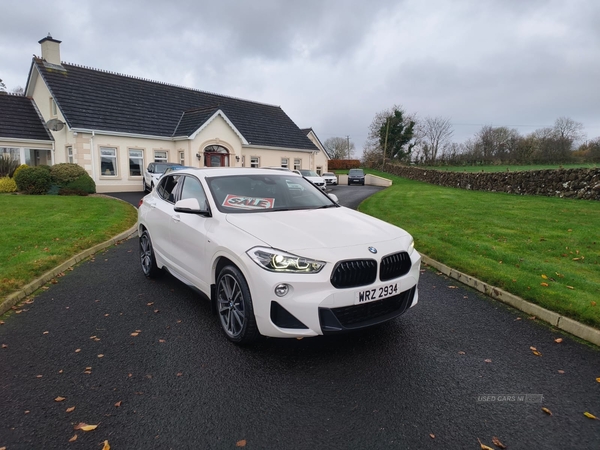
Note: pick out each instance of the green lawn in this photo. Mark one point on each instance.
(41, 231)
(508, 168)
(545, 250)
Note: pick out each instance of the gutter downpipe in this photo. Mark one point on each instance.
(92, 156)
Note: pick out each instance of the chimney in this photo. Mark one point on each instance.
(50, 50)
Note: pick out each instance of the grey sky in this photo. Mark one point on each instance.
(332, 64)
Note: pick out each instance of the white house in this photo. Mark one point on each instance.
(114, 125)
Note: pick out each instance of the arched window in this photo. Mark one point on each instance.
(216, 156)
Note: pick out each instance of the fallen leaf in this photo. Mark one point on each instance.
(532, 318)
(241, 443)
(118, 404)
(73, 439)
(484, 447)
(59, 399)
(162, 341)
(138, 331)
(544, 284)
(100, 356)
(39, 376)
(150, 304)
(598, 380)
(134, 334)
(547, 411)
(532, 349)
(590, 415)
(71, 409)
(77, 350)
(432, 436)
(536, 353)
(544, 277)
(593, 303)
(45, 332)
(561, 371)
(461, 353)
(570, 287)
(452, 287)
(488, 360)
(106, 446)
(497, 442)
(4, 346)
(558, 340)
(85, 427)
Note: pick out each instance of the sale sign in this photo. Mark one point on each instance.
(244, 202)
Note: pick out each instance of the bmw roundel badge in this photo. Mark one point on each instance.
(373, 250)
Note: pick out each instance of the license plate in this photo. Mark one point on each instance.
(378, 293)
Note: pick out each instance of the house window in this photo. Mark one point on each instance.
(13, 153)
(108, 161)
(136, 162)
(319, 170)
(297, 164)
(284, 163)
(70, 156)
(243, 161)
(182, 158)
(160, 156)
(53, 107)
(254, 161)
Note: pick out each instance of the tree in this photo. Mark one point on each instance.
(434, 134)
(395, 136)
(339, 147)
(375, 144)
(18, 90)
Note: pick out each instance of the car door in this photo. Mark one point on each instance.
(161, 203)
(188, 236)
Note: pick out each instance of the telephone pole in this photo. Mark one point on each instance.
(348, 138)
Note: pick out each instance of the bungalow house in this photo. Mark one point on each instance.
(113, 125)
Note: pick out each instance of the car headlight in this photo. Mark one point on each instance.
(279, 261)
(411, 247)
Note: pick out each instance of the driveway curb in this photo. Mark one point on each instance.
(14, 298)
(571, 326)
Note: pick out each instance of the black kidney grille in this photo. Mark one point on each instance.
(357, 272)
(394, 266)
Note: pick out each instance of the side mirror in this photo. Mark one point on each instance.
(333, 197)
(192, 206)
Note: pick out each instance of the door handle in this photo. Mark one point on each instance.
(176, 218)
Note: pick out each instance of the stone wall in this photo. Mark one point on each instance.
(568, 183)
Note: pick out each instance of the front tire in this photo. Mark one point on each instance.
(234, 307)
(147, 258)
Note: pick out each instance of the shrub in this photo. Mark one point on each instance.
(22, 166)
(65, 173)
(8, 165)
(7, 185)
(83, 183)
(33, 180)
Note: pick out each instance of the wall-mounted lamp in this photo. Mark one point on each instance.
(237, 158)
(199, 156)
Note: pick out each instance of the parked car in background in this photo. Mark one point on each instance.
(330, 178)
(314, 178)
(356, 176)
(153, 173)
(253, 242)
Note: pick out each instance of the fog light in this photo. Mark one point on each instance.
(281, 290)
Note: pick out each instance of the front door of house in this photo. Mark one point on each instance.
(216, 156)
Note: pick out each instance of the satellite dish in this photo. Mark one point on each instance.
(55, 125)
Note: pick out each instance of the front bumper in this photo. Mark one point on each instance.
(314, 307)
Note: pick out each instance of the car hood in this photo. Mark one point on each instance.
(316, 229)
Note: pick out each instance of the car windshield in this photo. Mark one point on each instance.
(161, 167)
(356, 173)
(309, 173)
(266, 193)
(328, 174)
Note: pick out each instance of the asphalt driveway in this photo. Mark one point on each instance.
(146, 362)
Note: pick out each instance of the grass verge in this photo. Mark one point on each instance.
(545, 250)
(41, 232)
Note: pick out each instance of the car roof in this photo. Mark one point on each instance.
(208, 172)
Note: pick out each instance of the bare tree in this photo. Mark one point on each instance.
(339, 147)
(433, 134)
(2, 86)
(18, 90)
